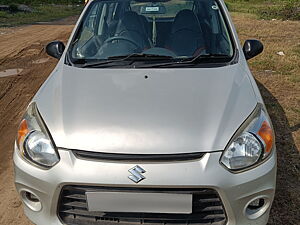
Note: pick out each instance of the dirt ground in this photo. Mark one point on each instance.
(22, 47)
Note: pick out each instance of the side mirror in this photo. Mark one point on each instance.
(55, 49)
(252, 48)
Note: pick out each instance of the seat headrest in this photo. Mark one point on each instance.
(130, 21)
(186, 19)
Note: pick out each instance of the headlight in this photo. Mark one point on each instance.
(251, 144)
(33, 140)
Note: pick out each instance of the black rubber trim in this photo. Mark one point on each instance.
(137, 157)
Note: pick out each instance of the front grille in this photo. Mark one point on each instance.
(207, 208)
(87, 155)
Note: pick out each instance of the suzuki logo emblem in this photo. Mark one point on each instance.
(136, 174)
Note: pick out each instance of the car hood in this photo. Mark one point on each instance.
(145, 111)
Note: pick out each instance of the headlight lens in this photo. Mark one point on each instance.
(244, 151)
(34, 142)
(252, 143)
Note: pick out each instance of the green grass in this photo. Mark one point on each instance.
(267, 9)
(42, 13)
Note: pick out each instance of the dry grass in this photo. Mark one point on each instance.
(279, 74)
(278, 78)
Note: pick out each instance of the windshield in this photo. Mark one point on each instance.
(174, 29)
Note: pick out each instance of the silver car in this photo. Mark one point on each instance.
(151, 116)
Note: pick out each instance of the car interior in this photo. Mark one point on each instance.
(176, 28)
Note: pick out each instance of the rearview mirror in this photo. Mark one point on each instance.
(252, 48)
(55, 49)
(153, 9)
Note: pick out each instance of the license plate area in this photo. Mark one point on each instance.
(139, 202)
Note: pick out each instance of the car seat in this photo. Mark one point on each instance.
(131, 26)
(186, 38)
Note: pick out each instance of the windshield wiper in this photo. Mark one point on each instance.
(191, 61)
(122, 58)
(141, 56)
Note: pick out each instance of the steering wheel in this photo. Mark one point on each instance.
(123, 39)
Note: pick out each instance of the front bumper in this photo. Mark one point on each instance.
(235, 190)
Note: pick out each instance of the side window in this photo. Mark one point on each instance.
(222, 42)
(88, 30)
(102, 25)
(90, 24)
(225, 37)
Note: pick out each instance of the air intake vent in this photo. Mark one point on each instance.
(207, 209)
